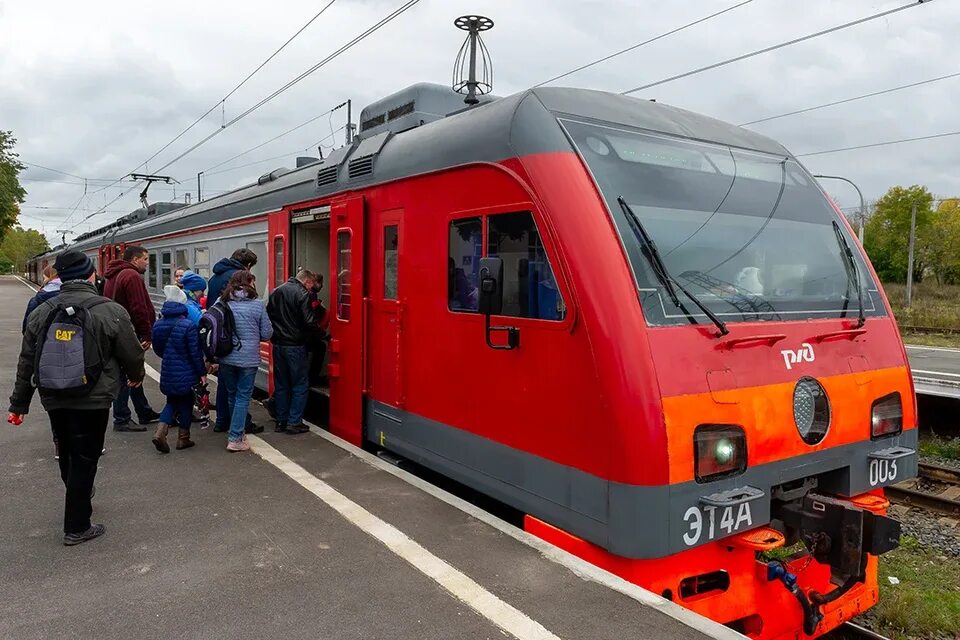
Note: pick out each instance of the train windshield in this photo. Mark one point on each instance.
(749, 234)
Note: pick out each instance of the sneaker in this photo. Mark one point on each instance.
(150, 418)
(279, 428)
(297, 428)
(95, 530)
(238, 445)
(127, 426)
(253, 427)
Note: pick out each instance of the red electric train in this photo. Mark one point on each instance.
(648, 330)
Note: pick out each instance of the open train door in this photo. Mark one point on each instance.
(346, 361)
(278, 265)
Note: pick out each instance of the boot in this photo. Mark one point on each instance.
(183, 439)
(160, 438)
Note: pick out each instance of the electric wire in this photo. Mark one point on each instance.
(644, 43)
(782, 45)
(284, 155)
(853, 99)
(878, 144)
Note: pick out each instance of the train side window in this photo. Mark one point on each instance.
(278, 260)
(166, 271)
(201, 261)
(181, 260)
(152, 272)
(343, 274)
(465, 249)
(391, 238)
(529, 287)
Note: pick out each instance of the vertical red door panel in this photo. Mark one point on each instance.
(278, 261)
(346, 363)
(386, 291)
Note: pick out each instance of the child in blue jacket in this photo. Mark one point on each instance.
(176, 341)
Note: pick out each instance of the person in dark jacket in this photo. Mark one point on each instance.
(291, 312)
(50, 289)
(176, 341)
(80, 422)
(126, 287)
(241, 260)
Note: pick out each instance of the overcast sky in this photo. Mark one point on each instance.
(95, 88)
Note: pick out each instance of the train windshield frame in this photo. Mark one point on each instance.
(750, 234)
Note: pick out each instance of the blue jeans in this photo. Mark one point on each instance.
(121, 406)
(223, 409)
(239, 383)
(178, 409)
(291, 383)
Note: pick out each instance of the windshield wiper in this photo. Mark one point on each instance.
(660, 270)
(850, 266)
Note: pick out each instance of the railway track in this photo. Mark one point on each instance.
(945, 502)
(852, 630)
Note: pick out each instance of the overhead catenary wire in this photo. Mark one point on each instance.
(283, 155)
(853, 99)
(275, 138)
(644, 43)
(781, 45)
(878, 144)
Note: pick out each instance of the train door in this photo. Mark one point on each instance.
(278, 240)
(384, 361)
(345, 369)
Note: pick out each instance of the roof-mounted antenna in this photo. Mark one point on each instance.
(465, 78)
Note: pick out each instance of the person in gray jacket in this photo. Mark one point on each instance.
(238, 369)
(79, 421)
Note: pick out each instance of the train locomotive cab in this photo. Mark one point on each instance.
(758, 391)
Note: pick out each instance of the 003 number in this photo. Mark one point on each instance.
(882, 471)
(712, 521)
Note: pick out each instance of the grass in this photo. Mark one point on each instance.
(926, 602)
(932, 306)
(935, 445)
(932, 339)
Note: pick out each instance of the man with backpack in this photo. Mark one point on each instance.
(126, 287)
(242, 259)
(75, 350)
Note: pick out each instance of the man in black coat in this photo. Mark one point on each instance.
(291, 312)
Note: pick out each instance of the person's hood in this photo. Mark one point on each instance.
(117, 266)
(227, 264)
(53, 285)
(174, 294)
(171, 309)
(193, 282)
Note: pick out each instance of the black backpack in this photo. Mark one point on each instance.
(68, 359)
(218, 331)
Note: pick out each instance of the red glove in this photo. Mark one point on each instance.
(15, 419)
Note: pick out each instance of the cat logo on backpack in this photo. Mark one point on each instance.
(65, 335)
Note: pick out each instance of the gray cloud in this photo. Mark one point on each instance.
(94, 92)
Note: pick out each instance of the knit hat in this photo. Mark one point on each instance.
(193, 281)
(175, 294)
(73, 265)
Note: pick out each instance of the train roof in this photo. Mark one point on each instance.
(521, 124)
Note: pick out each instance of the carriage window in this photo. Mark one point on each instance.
(465, 249)
(181, 260)
(278, 260)
(343, 274)
(166, 272)
(391, 239)
(201, 261)
(529, 287)
(152, 272)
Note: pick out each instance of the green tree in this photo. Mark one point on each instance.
(11, 193)
(19, 245)
(887, 234)
(941, 242)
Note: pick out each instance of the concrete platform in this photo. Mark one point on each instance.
(302, 538)
(936, 370)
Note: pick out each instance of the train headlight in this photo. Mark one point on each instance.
(720, 451)
(886, 416)
(811, 410)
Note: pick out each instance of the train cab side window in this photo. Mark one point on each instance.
(529, 287)
(343, 274)
(152, 272)
(465, 249)
(278, 260)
